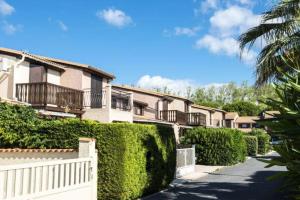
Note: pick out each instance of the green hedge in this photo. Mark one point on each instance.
(263, 140)
(217, 146)
(252, 145)
(133, 159)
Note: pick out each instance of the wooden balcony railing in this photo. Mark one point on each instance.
(173, 116)
(196, 119)
(48, 94)
(182, 118)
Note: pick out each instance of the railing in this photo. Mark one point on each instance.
(121, 100)
(25, 181)
(43, 94)
(196, 119)
(182, 118)
(173, 116)
(94, 99)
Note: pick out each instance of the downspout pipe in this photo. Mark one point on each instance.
(20, 61)
(3, 73)
(13, 78)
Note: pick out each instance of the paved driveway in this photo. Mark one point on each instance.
(245, 181)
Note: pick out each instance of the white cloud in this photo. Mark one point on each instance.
(186, 31)
(181, 31)
(209, 4)
(228, 46)
(246, 2)
(233, 20)
(177, 86)
(114, 17)
(62, 26)
(10, 29)
(5, 8)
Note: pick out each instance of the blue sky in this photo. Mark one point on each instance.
(170, 42)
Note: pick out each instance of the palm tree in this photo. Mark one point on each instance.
(279, 29)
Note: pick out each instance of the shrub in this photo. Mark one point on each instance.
(263, 140)
(252, 145)
(133, 159)
(217, 146)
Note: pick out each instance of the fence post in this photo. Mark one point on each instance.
(87, 149)
(194, 154)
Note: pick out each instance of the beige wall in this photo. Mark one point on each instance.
(16, 75)
(4, 85)
(153, 103)
(72, 78)
(86, 81)
(219, 116)
(177, 104)
(98, 114)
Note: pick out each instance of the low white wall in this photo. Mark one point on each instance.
(10, 158)
(54, 177)
(72, 194)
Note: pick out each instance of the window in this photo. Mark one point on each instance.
(138, 109)
(256, 125)
(120, 103)
(114, 102)
(244, 125)
(186, 106)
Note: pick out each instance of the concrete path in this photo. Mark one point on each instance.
(246, 181)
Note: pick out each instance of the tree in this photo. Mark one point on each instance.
(279, 29)
(243, 108)
(229, 93)
(286, 127)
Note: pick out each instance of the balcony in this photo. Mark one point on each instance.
(182, 118)
(121, 100)
(94, 99)
(50, 97)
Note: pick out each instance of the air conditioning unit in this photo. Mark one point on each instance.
(4, 64)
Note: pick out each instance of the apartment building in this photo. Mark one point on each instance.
(156, 107)
(60, 88)
(63, 88)
(247, 123)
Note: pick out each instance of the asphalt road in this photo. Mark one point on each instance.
(246, 181)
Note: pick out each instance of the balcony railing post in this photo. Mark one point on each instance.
(45, 88)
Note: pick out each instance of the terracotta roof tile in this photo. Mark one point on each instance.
(231, 115)
(16, 150)
(247, 119)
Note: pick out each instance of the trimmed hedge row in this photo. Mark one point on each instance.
(263, 140)
(133, 159)
(252, 145)
(217, 146)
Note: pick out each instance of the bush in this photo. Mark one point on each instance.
(252, 145)
(217, 146)
(263, 140)
(133, 159)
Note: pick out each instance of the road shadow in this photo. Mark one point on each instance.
(254, 187)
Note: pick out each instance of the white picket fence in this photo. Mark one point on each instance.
(56, 180)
